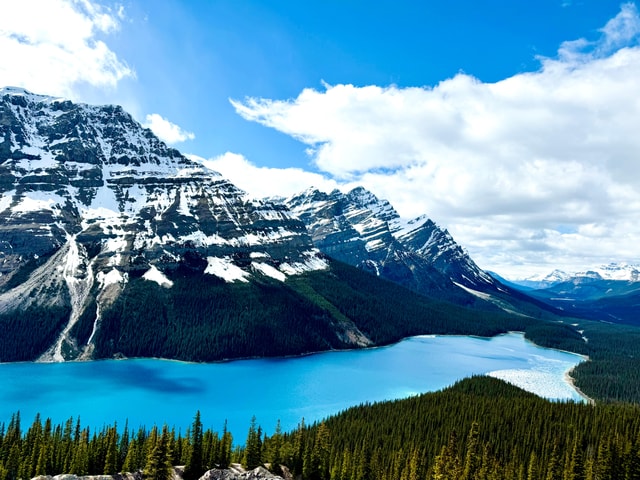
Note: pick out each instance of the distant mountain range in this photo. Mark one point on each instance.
(113, 244)
(622, 272)
(608, 292)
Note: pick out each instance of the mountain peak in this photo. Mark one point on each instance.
(24, 93)
(360, 229)
(89, 199)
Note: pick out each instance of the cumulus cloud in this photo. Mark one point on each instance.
(264, 181)
(165, 130)
(53, 46)
(535, 166)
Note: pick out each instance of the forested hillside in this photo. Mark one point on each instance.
(481, 428)
(207, 319)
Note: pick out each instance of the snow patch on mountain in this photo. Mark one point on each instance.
(225, 269)
(155, 275)
(313, 262)
(269, 271)
(114, 276)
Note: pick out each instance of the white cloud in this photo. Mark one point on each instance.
(54, 46)
(165, 130)
(527, 172)
(263, 181)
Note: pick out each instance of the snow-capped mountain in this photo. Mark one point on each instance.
(539, 281)
(362, 230)
(607, 292)
(615, 271)
(113, 244)
(619, 272)
(90, 199)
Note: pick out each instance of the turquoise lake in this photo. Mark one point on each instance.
(149, 391)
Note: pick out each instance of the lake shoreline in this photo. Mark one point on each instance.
(568, 379)
(571, 381)
(147, 391)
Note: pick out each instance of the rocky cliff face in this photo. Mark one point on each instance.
(89, 198)
(362, 230)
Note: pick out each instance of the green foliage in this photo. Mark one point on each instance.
(24, 335)
(387, 312)
(194, 467)
(159, 455)
(204, 319)
(509, 434)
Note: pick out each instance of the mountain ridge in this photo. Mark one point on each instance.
(114, 245)
(358, 228)
(90, 198)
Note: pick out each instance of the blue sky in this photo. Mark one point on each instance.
(509, 123)
(191, 57)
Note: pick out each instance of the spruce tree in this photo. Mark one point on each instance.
(111, 458)
(195, 466)
(320, 453)
(131, 464)
(252, 452)
(472, 458)
(159, 457)
(224, 454)
(80, 460)
(274, 450)
(533, 468)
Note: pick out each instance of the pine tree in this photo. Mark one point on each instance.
(123, 449)
(415, 465)
(80, 460)
(575, 467)
(472, 458)
(297, 459)
(13, 461)
(111, 458)
(604, 464)
(252, 452)
(195, 466)
(633, 461)
(533, 467)
(346, 467)
(159, 458)
(554, 471)
(274, 450)
(320, 453)
(447, 463)
(131, 464)
(66, 453)
(226, 441)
